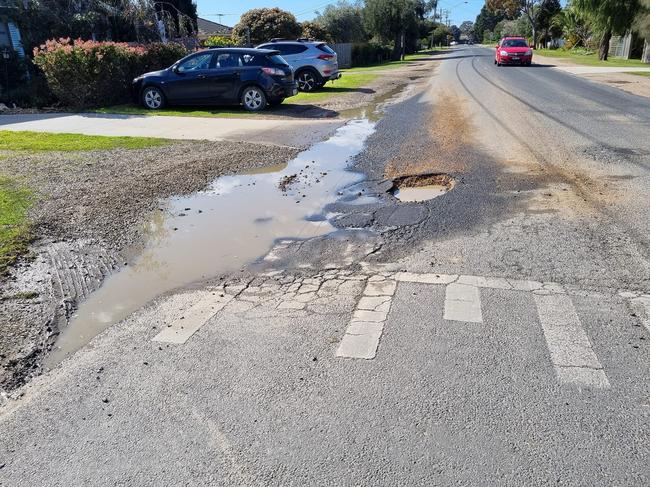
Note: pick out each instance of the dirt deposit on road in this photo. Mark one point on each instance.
(89, 210)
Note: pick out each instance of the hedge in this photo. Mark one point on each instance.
(84, 74)
(367, 53)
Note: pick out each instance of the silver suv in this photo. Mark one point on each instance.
(314, 63)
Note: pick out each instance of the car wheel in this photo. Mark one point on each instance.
(495, 61)
(153, 98)
(253, 99)
(307, 81)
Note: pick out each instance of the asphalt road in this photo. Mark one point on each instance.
(513, 352)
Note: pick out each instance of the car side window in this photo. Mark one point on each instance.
(288, 49)
(196, 63)
(227, 60)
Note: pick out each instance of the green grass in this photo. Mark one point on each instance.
(590, 58)
(347, 84)
(41, 141)
(15, 201)
(639, 73)
(409, 58)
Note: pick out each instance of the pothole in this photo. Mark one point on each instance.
(421, 187)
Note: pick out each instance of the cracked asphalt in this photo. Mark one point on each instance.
(496, 335)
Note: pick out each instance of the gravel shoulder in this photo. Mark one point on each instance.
(89, 209)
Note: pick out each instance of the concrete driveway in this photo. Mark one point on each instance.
(294, 133)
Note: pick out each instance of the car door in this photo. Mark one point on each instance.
(190, 82)
(225, 76)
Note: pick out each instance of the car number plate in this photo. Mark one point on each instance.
(516, 58)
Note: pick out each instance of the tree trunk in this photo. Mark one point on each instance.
(397, 48)
(646, 51)
(603, 51)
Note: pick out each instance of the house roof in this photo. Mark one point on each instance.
(208, 28)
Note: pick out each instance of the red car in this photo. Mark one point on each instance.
(513, 50)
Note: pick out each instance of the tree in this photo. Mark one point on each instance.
(642, 26)
(343, 22)
(316, 31)
(393, 20)
(486, 21)
(547, 10)
(609, 17)
(440, 34)
(455, 32)
(574, 26)
(266, 24)
(467, 29)
(513, 8)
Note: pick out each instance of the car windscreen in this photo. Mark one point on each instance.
(514, 43)
(326, 48)
(277, 59)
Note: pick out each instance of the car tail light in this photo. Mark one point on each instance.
(274, 71)
(326, 57)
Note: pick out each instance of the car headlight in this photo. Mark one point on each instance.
(504, 53)
(529, 52)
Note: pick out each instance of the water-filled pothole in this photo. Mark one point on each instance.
(421, 187)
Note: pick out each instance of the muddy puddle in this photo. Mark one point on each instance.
(423, 193)
(216, 231)
(421, 187)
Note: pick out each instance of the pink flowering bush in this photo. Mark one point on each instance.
(84, 74)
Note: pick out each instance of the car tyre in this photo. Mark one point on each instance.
(495, 61)
(253, 99)
(307, 80)
(153, 98)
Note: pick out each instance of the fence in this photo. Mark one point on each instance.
(344, 54)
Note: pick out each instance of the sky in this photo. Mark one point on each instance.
(306, 9)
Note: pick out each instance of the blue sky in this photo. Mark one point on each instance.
(305, 9)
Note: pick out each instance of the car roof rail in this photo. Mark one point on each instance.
(278, 39)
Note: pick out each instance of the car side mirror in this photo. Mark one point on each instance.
(176, 70)
(497, 46)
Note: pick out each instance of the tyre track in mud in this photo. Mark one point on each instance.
(641, 243)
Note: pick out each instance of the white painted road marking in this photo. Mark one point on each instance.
(194, 318)
(463, 303)
(362, 336)
(574, 360)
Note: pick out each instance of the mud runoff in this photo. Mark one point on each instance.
(216, 231)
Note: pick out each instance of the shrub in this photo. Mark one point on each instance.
(219, 41)
(84, 74)
(364, 53)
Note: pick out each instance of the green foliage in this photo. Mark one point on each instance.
(83, 74)
(266, 24)
(41, 141)
(642, 19)
(367, 53)
(344, 22)
(387, 20)
(486, 21)
(15, 201)
(219, 41)
(316, 31)
(441, 34)
(573, 25)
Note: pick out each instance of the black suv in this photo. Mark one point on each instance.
(250, 77)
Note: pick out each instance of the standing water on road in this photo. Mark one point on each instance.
(218, 230)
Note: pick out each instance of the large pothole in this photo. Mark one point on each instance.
(421, 187)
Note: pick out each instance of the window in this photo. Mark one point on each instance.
(289, 49)
(326, 48)
(196, 63)
(514, 43)
(227, 60)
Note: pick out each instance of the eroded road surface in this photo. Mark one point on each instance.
(494, 334)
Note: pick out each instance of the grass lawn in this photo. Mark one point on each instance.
(217, 112)
(387, 65)
(15, 201)
(41, 141)
(590, 59)
(350, 82)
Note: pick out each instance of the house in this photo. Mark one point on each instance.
(208, 28)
